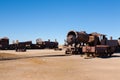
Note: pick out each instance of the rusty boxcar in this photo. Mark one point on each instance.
(4, 43)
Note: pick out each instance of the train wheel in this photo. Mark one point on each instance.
(93, 54)
(66, 52)
(96, 53)
(87, 55)
(110, 54)
(72, 52)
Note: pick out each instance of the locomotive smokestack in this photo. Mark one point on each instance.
(17, 41)
(111, 38)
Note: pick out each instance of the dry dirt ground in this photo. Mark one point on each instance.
(55, 65)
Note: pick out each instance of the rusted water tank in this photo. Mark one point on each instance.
(77, 37)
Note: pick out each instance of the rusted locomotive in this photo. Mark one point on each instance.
(22, 46)
(47, 44)
(75, 41)
(94, 44)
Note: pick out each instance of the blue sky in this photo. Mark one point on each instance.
(25, 20)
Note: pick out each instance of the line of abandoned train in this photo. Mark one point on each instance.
(22, 46)
(93, 44)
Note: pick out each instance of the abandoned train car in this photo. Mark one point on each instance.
(4, 45)
(94, 44)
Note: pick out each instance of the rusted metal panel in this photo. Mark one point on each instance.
(93, 49)
(112, 42)
(102, 48)
(91, 38)
(88, 49)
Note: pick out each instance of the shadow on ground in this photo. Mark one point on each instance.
(57, 55)
(113, 56)
(26, 57)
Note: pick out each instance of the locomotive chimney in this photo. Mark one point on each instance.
(13, 42)
(110, 37)
(48, 40)
(17, 41)
(55, 40)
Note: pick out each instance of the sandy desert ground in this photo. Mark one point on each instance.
(55, 65)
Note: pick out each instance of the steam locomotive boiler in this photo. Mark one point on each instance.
(75, 41)
(93, 44)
